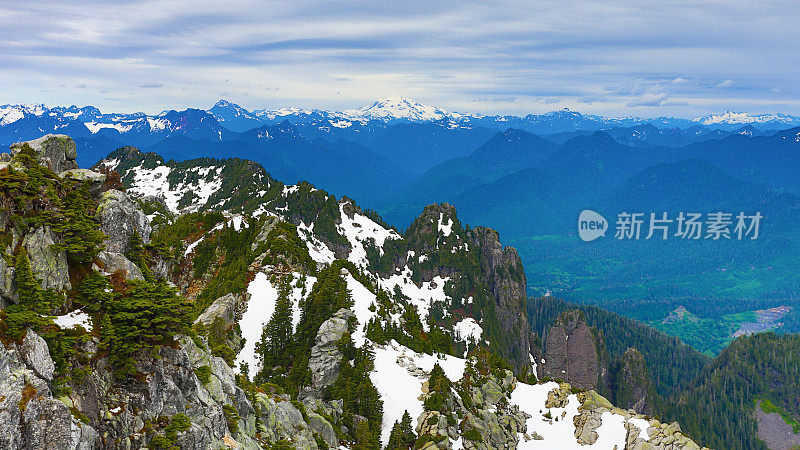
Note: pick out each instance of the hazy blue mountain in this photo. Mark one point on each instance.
(234, 117)
(503, 154)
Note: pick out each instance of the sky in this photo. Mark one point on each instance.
(616, 58)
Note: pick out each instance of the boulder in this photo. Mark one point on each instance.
(280, 419)
(117, 262)
(325, 355)
(35, 353)
(83, 175)
(119, 218)
(57, 152)
(49, 267)
(322, 427)
(225, 307)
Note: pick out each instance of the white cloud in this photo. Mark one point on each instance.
(453, 54)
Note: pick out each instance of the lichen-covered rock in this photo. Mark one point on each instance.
(35, 353)
(325, 355)
(323, 428)
(83, 175)
(227, 307)
(117, 262)
(221, 385)
(49, 266)
(30, 417)
(118, 409)
(119, 218)
(280, 419)
(57, 152)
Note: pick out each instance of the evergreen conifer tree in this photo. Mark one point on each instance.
(275, 347)
(403, 436)
(80, 232)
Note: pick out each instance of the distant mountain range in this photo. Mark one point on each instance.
(389, 110)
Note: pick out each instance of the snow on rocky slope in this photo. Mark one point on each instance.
(547, 415)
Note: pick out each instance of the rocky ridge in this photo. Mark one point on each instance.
(187, 394)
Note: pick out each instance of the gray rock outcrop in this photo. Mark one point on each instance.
(325, 355)
(571, 352)
(83, 175)
(227, 307)
(57, 152)
(117, 262)
(49, 266)
(119, 218)
(8, 292)
(31, 417)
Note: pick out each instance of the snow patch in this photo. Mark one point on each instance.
(357, 230)
(74, 319)
(468, 330)
(420, 296)
(94, 127)
(263, 297)
(445, 228)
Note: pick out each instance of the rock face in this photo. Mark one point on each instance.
(118, 409)
(571, 352)
(8, 293)
(498, 425)
(31, 418)
(659, 435)
(119, 218)
(227, 307)
(505, 276)
(325, 355)
(630, 383)
(116, 262)
(55, 151)
(437, 233)
(48, 266)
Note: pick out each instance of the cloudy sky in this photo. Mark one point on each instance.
(621, 57)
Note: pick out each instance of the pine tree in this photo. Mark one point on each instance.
(28, 289)
(15, 319)
(146, 314)
(80, 232)
(328, 295)
(275, 347)
(403, 436)
(137, 255)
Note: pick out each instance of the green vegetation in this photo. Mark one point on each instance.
(276, 347)
(328, 295)
(708, 336)
(671, 364)
(769, 407)
(716, 409)
(235, 255)
(171, 427)
(78, 229)
(142, 315)
(439, 390)
(203, 374)
(231, 418)
(402, 436)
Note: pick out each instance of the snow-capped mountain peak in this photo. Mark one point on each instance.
(743, 118)
(397, 108)
(12, 113)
